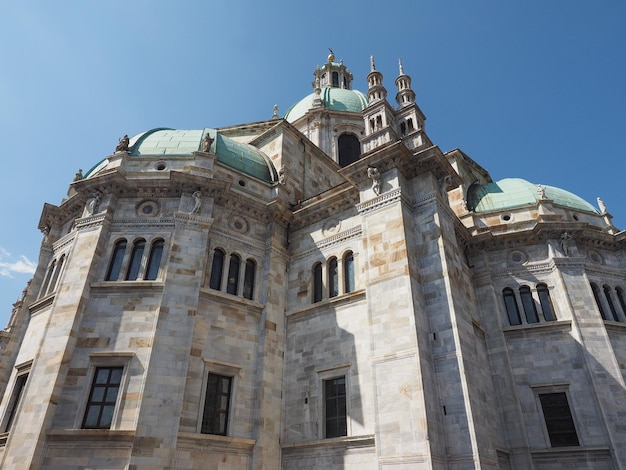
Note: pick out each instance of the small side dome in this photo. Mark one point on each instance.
(172, 142)
(335, 99)
(516, 192)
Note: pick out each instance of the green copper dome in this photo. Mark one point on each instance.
(336, 99)
(173, 142)
(516, 192)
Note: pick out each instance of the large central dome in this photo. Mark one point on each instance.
(336, 99)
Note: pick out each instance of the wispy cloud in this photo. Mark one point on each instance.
(8, 267)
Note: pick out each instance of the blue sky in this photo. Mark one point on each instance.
(533, 89)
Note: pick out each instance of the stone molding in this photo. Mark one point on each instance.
(333, 240)
(90, 222)
(214, 442)
(379, 202)
(347, 442)
(323, 306)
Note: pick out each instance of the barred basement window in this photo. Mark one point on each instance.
(102, 398)
(335, 407)
(558, 419)
(216, 404)
(511, 306)
(117, 258)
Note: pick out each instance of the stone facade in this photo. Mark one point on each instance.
(267, 297)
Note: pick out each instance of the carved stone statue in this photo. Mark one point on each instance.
(207, 142)
(374, 175)
(601, 206)
(122, 146)
(197, 196)
(275, 114)
(541, 191)
(79, 175)
(464, 205)
(282, 175)
(45, 231)
(93, 203)
(566, 243)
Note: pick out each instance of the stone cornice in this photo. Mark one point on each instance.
(378, 202)
(332, 240)
(325, 205)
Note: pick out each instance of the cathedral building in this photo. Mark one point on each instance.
(325, 290)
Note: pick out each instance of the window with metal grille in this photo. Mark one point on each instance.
(216, 404)
(335, 407)
(102, 398)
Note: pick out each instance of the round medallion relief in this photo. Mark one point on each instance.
(595, 257)
(238, 224)
(148, 209)
(517, 257)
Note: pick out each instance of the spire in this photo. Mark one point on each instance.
(376, 89)
(405, 95)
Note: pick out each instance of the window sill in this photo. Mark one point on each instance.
(324, 304)
(131, 285)
(88, 436)
(366, 440)
(543, 327)
(223, 296)
(615, 326)
(215, 441)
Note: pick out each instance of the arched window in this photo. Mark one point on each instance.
(545, 302)
(410, 124)
(115, 266)
(596, 295)
(402, 128)
(529, 304)
(46, 282)
(335, 79)
(233, 275)
(135, 260)
(349, 149)
(216, 269)
(333, 278)
(609, 300)
(154, 261)
(348, 271)
(248, 279)
(317, 282)
(55, 276)
(620, 297)
(511, 306)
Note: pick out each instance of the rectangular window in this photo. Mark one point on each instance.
(216, 404)
(335, 407)
(16, 398)
(102, 398)
(558, 418)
